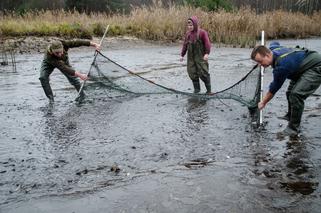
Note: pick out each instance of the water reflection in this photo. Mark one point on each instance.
(60, 129)
(149, 134)
(300, 171)
(291, 169)
(197, 112)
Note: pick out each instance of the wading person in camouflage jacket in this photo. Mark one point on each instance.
(302, 67)
(56, 56)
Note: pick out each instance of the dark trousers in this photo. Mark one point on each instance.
(46, 71)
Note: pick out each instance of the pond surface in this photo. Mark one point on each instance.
(152, 153)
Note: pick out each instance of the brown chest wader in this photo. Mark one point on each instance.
(197, 67)
(46, 70)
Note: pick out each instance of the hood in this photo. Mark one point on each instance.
(194, 19)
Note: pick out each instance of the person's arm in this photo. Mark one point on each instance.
(78, 43)
(205, 57)
(207, 43)
(81, 76)
(268, 96)
(63, 67)
(75, 43)
(184, 48)
(97, 46)
(279, 76)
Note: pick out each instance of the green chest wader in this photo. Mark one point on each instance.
(290, 87)
(307, 80)
(197, 67)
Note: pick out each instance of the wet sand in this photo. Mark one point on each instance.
(152, 153)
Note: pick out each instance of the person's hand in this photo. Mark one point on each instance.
(83, 77)
(261, 105)
(205, 57)
(181, 59)
(97, 46)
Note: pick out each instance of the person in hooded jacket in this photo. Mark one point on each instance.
(198, 46)
(301, 66)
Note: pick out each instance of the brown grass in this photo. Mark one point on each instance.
(239, 28)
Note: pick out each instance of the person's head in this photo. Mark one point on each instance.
(192, 24)
(262, 55)
(56, 48)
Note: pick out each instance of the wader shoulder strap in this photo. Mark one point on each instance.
(288, 53)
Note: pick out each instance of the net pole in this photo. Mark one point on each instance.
(262, 78)
(96, 52)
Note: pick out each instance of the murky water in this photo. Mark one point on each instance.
(152, 153)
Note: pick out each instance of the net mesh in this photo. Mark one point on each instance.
(107, 74)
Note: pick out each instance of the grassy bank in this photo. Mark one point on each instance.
(240, 28)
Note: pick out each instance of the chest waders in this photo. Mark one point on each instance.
(197, 67)
(306, 82)
(287, 115)
(46, 70)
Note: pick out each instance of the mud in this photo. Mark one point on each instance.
(34, 44)
(152, 153)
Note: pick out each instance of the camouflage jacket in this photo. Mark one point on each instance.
(62, 63)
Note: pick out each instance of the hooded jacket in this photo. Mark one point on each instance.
(192, 36)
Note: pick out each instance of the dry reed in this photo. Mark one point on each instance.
(239, 28)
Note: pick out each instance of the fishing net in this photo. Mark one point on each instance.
(106, 74)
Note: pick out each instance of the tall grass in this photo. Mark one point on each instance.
(239, 28)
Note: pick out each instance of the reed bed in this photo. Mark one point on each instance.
(237, 28)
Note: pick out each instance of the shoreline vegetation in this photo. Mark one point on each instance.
(239, 28)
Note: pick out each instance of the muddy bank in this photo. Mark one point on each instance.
(32, 44)
(152, 153)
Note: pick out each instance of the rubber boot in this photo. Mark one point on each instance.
(207, 81)
(292, 129)
(285, 117)
(288, 131)
(288, 114)
(197, 87)
(288, 92)
(208, 88)
(296, 111)
(295, 119)
(47, 89)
